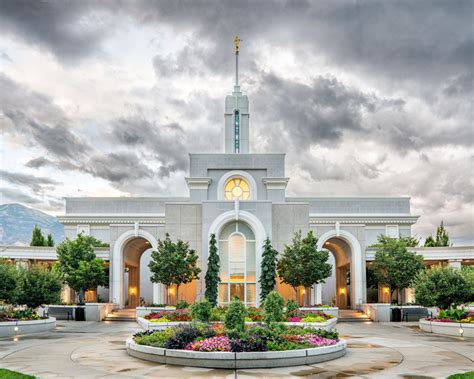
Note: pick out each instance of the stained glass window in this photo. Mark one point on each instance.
(237, 188)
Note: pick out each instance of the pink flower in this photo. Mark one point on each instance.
(219, 343)
(294, 319)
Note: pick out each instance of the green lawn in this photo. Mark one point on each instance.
(466, 375)
(7, 374)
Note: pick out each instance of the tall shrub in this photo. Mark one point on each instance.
(37, 238)
(235, 315)
(441, 287)
(174, 263)
(39, 285)
(212, 278)
(273, 308)
(268, 270)
(8, 282)
(49, 240)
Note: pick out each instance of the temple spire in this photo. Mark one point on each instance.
(237, 48)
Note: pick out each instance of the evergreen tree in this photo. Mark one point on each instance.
(212, 278)
(442, 238)
(49, 240)
(37, 238)
(173, 264)
(268, 270)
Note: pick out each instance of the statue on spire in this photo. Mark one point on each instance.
(237, 44)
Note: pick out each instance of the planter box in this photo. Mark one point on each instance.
(333, 311)
(228, 360)
(93, 311)
(147, 325)
(99, 311)
(447, 328)
(143, 311)
(16, 328)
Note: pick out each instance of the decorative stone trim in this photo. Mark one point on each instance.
(456, 329)
(229, 360)
(343, 219)
(111, 219)
(16, 328)
(198, 183)
(275, 183)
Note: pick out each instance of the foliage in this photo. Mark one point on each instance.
(96, 242)
(182, 304)
(291, 308)
(49, 240)
(383, 240)
(442, 238)
(273, 307)
(171, 315)
(81, 268)
(442, 286)
(255, 314)
(218, 314)
(302, 264)
(210, 338)
(39, 285)
(201, 310)
(173, 263)
(212, 278)
(8, 282)
(235, 315)
(465, 375)
(452, 313)
(8, 374)
(394, 265)
(37, 238)
(268, 270)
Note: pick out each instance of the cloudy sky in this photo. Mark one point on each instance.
(106, 98)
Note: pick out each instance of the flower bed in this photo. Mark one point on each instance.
(447, 327)
(172, 315)
(211, 345)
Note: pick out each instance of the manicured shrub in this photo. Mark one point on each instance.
(442, 286)
(39, 285)
(218, 314)
(8, 282)
(273, 308)
(201, 310)
(182, 304)
(291, 308)
(235, 315)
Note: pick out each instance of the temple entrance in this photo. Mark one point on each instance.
(135, 276)
(337, 289)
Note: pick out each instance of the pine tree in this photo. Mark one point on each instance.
(212, 275)
(49, 240)
(442, 237)
(268, 270)
(37, 238)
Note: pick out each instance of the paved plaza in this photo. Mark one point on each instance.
(375, 350)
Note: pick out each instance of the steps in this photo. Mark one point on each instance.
(122, 315)
(352, 315)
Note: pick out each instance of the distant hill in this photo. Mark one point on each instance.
(17, 222)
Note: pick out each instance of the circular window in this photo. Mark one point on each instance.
(237, 188)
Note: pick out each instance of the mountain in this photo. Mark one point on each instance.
(17, 223)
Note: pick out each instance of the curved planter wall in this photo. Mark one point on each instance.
(147, 325)
(447, 328)
(228, 360)
(16, 328)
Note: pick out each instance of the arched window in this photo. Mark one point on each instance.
(237, 188)
(238, 264)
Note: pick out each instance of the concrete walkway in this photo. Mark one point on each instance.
(376, 350)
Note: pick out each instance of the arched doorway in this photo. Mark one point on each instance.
(132, 253)
(337, 289)
(126, 266)
(348, 272)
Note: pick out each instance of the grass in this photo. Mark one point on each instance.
(466, 375)
(8, 374)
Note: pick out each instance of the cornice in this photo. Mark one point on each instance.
(275, 183)
(111, 219)
(198, 183)
(363, 219)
